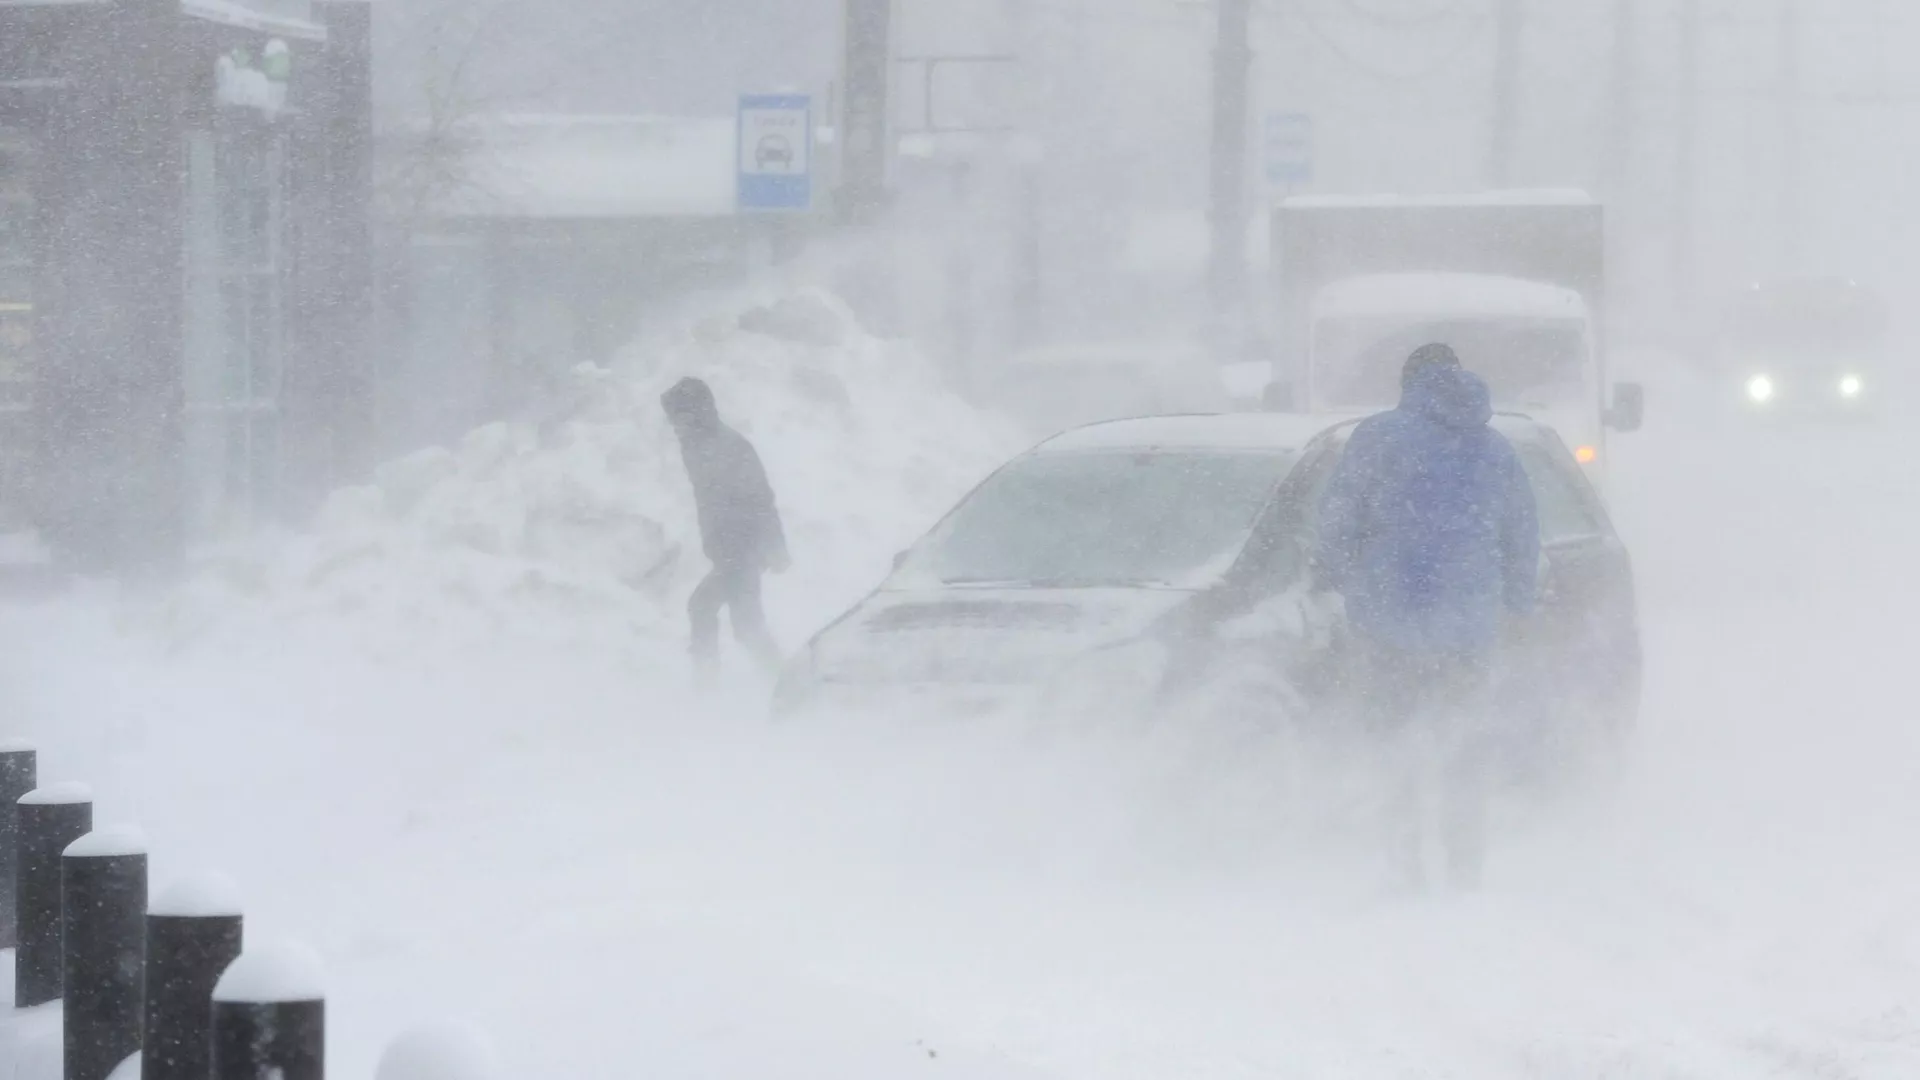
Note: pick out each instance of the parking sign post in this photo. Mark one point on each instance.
(776, 153)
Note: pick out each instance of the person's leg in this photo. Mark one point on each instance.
(749, 618)
(703, 613)
(1386, 682)
(1465, 779)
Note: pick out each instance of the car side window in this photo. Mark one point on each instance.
(1563, 509)
(1321, 474)
(1277, 554)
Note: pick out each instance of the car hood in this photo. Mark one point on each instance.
(1000, 636)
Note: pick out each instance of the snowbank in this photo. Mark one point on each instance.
(578, 525)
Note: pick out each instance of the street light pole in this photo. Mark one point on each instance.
(1232, 64)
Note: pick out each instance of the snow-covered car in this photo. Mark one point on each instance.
(1106, 556)
(1147, 560)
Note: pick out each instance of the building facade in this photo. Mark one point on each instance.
(185, 267)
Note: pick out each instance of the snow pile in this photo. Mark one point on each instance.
(447, 1052)
(578, 525)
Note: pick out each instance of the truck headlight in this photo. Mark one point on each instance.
(1852, 386)
(1760, 388)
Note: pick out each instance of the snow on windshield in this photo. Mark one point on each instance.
(1357, 362)
(1101, 519)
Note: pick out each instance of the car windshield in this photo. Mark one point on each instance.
(1531, 362)
(1097, 519)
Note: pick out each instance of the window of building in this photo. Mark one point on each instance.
(236, 321)
(17, 364)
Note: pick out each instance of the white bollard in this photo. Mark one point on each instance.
(441, 1052)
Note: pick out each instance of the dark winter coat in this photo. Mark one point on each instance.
(1428, 527)
(739, 520)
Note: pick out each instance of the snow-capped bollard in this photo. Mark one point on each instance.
(105, 948)
(19, 765)
(50, 818)
(270, 1016)
(443, 1052)
(193, 935)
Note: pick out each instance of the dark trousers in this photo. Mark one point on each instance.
(736, 587)
(1429, 710)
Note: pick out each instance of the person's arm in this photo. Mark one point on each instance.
(1519, 538)
(1345, 510)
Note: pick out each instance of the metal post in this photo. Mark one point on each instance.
(50, 819)
(865, 137)
(193, 935)
(1232, 62)
(104, 885)
(19, 766)
(270, 1017)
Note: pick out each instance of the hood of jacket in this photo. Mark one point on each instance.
(1455, 399)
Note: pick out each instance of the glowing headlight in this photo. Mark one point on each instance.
(1760, 388)
(1851, 386)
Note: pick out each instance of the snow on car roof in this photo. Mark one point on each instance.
(1207, 431)
(1530, 197)
(1446, 294)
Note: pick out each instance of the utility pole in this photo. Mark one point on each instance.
(865, 135)
(1506, 92)
(1686, 160)
(1232, 64)
(1792, 139)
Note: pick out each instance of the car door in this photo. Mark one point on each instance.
(1584, 639)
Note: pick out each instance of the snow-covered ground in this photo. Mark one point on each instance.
(616, 879)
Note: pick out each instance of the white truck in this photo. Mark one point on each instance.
(1514, 281)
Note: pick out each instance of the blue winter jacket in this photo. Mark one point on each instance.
(1428, 525)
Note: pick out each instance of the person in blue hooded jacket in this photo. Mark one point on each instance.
(1428, 530)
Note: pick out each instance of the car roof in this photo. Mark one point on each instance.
(1255, 431)
(1245, 431)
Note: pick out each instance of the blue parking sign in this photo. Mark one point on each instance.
(776, 152)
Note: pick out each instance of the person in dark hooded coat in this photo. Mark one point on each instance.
(1428, 530)
(740, 527)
